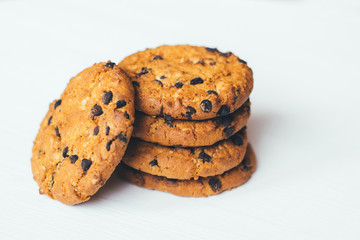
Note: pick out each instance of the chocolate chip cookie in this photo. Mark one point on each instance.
(84, 134)
(170, 132)
(188, 82)
(186, 163)
(204, 186)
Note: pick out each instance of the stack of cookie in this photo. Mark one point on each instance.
(189, 135)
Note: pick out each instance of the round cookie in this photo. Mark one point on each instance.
(202, 187)
(188, 82)
(84, 134)
(169, 132)
(186, 163)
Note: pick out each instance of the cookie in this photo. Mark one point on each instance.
(188, 82)
(169, 132)
(84, 134)
(186, 163)
(204, 186)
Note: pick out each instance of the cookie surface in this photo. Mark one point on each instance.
(84, 134)
(190, 133)
(186, 163)
(188, 82)
(194, 188)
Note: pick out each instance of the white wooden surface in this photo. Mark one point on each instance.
(305, 123)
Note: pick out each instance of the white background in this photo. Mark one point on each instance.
(304, 126)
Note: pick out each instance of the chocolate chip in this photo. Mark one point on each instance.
(57, 132)
(162, 110)
(212, 63)
(212, 49)
(162, 77)
(57, 103)
(159, 82)
(212, 92)
(122, 138)
(157, 57)
(238, 141)
(120, 104)
(49, 121)
(227, 54)
(96, 110)
(73, 158)
(246, 166)
(107, 130)
(144, 71)
(110, 65)
(65, 151)
(168, 120)
(153, 163)
(135, 84)
(96, 130)
(242, 61)
(204, 157)
(215, 184)
(86, 164)
(226, 121)
(229, 131)
(108, 145)
(126, 115)
(190, 112)
(178, 85)
(107, 97)
(196, 81)
(202, 62)
(206, 106)
(224, 110)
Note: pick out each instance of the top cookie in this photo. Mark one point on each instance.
(188, 82)
(84, 134)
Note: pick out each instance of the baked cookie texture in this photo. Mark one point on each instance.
(201, 187)
(185, 133)
(188, 82)
(186, 163)
(84, 134)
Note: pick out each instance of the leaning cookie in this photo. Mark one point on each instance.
(185, 133)
(84, 134)
(188, 82)
(186, 163)
(194, 188)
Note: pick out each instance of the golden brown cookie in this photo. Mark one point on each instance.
(84, 134)
(194, 188)
(185, 133)
(186, 163)
(188, 82)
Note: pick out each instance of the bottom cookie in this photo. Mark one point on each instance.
(203, 187)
